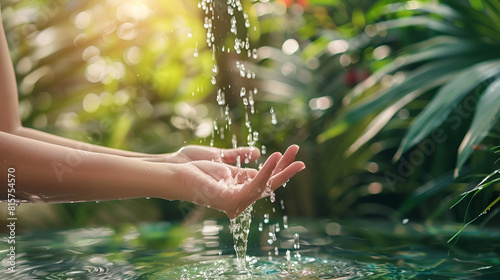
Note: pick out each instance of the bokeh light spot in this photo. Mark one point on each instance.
(127, 31)
(338, 46)
(91, 102)
(133, 55)
(82, 20)
(375, 188)
(290, 46)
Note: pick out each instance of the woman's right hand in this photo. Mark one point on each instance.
(232, 189)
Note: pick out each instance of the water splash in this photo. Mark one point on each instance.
(240, 227)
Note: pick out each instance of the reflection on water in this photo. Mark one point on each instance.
(328, 250)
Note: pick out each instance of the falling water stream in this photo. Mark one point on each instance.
(241, 48)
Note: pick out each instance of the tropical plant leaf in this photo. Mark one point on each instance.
(487, 111)
(425, 192)
(481, 186)
(436, 112)
(438, 47)
(424, 20)
(430, 75)
(493, 8)
(381, 120)
(492, 204)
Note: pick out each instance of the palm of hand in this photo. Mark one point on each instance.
(232, 189)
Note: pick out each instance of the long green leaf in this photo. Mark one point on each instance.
(381, 120)
(445, 100)
(431, 74)
(487, 112)
(475, 18)
(425, 192)
(439, 47)
(431, 23)
(492, 204)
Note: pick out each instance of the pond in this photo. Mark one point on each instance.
(306, 249)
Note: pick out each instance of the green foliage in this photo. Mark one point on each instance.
(461, 57)
(429, 103)
(486, 183)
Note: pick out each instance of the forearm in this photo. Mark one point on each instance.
(65, 142)
(52, 173)
(9, 119)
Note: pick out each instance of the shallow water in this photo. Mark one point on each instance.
(328, 250)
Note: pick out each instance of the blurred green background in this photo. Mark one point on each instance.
(395, 104)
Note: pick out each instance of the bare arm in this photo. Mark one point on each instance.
(61, 141)
(9, 120)
(52, 173)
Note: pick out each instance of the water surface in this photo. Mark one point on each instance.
(327, 250)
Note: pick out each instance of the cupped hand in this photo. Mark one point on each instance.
(232, 189)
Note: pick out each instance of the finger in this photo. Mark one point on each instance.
(282, 177)
(266, 171)
(287, 158)
(246, 154)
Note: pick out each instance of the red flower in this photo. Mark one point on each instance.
(354, 76)
(289, 3)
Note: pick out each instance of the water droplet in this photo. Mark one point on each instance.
(273, 116)
(263, 150)
(234, 29)
(405, 221)
(221, 98)
(97, 201)
(255, 136)
(261, 227)
(243, 91)
(266, 218)
(238, 161)
(285, 221)
(296, 241)
(234, 141)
